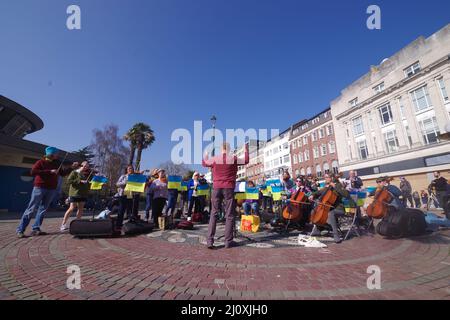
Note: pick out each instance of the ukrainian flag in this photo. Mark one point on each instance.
(174, 182)
(240, 195)
(252, 193)
(276, 193)
(136, 183)
(97, 182)
(183, 186)
(202, 189)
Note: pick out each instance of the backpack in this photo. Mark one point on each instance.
(186, 225)
(197, 217)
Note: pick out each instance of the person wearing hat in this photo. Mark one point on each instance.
(393, 190)
(46, 172)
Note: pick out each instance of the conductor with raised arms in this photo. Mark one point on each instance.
(224, 170)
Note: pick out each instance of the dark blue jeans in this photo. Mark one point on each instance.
(172, 202)
(148, 204)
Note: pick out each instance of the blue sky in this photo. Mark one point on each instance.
(252, 63)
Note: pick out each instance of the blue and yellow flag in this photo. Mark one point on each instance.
(136, 183)
(202, 189)
(97, 182)
(276, 193)
(183, 186)
(252, 193)
(174, 182)
(240, 196)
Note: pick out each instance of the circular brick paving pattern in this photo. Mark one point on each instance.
(175, 265)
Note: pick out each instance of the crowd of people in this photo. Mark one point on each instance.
(162, 200)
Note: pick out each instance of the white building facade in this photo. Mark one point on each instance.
(277, 156)
(389, 122)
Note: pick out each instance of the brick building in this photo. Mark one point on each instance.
(313, 146)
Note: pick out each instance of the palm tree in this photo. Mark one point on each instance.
(140, 136)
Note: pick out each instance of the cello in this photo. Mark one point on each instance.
(294, 210)
(379, 206)
(319, 215)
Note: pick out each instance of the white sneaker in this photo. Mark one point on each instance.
(303, 239)
(314, 243)
(63, 228)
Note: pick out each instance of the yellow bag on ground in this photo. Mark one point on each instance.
(165, 222)
(250, 223)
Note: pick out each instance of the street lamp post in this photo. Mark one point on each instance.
(213, 120)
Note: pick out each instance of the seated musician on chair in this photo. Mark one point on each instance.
(250, 204)
(332, 183)
(300, 184)
(393, 190)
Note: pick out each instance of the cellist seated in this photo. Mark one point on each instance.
(333, 183)
(385, 182)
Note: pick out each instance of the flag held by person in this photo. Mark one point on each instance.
(252, 193)
(174, 182)
(202, 189)
(136, 183)
(183, 186)
(97, 182)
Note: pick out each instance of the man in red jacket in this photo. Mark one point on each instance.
(224, 170)
(45, 172)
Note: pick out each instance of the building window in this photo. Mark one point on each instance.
(305, 140)
(295, 159)
(316, 120)
(307, 155)
(325, 115)
(326, 168)
(295, 132)
(430, 130)
(324, 150)
(385, 114)
(300, 157)
(297, 172)
(316, 152)
(318, 171)
(308, 170)
(329, 130)
(332, 147)
(444, 94)
(412, 70)
(314, 136)
(299, 143)
(379, 88)
(353, 102)
(321, 133)
(362, 149)
(287, 158)
(274, 150)
(402, 108)
(302, 171)
(421, 98)
(285, 145)
(390, 138)
(305, 126)
(276, 162)
(408, 134)
(335, 167)
(358, 127)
